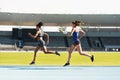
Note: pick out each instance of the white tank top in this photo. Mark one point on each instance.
(41, 32)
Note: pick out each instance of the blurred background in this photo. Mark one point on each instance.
(101, 22)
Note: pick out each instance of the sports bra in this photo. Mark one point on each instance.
(41, 33)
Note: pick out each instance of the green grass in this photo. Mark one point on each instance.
(24, 58)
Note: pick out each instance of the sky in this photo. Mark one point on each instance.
(61, 6)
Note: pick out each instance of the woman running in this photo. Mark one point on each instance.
(41, 43)
(76, 39)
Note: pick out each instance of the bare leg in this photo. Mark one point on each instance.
(35, 52)
(70, 52)
(79, 48)
(50, 52)
(69, 55)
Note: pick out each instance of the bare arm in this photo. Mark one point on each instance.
(45, 34)
(82, 33)
(34, 36)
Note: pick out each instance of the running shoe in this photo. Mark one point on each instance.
(66, 64)
(32, 63)
(57, 53)
(92, 58)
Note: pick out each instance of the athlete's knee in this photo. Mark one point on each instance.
(45, 52)
(69, 51)
(81, 53)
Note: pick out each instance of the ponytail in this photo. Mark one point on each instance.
(77, 23)
(40, 24)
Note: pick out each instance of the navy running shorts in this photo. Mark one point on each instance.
(76, 43)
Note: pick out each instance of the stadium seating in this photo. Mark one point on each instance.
(10, 40)
(95, 42)
(6, 41)
(111, 40)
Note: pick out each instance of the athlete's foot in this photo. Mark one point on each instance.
(57, 53)
(92, 58)
(66, 64)
(32, 63)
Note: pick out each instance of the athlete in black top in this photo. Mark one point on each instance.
(41, 43)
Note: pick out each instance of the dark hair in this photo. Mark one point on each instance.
(39, 24)
(77, 23)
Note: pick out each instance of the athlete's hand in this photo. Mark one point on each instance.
(29, 34)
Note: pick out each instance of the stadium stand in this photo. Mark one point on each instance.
(6, 41)
(106, 40)
(110, 40)
(111, 43)
(95, 42)
(102, 29)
